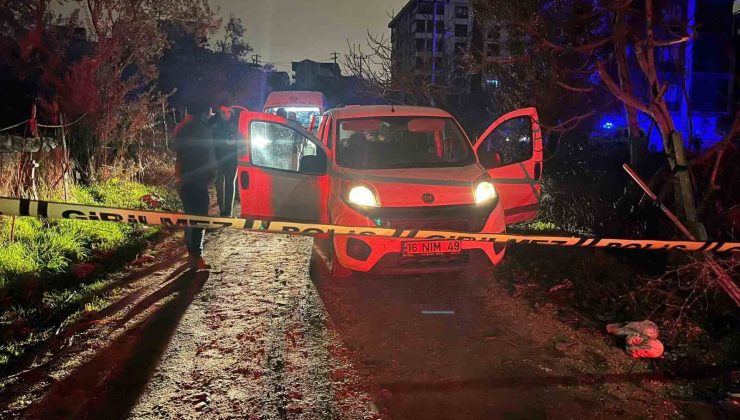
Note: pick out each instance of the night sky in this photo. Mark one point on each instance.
(281, 31)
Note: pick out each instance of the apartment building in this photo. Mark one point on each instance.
(429, 38)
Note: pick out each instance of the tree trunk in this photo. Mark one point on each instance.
(672, 140)
(679, 164)
(637, 139)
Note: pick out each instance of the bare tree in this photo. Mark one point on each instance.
(234, 41)
(111, 77)
(584, 48)
(384, 76)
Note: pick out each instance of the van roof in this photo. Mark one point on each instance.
(288, 98)
(369, 111)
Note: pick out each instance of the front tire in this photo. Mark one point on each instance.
(324, 253)
(337, 271)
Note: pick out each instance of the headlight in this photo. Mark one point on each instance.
(484, 191)
(362, 196)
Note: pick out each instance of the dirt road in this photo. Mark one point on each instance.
(261, 337)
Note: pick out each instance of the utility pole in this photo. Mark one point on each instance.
(256, 60)
(335, 57)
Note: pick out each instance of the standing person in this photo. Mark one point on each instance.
(223, 126)
(195, 170)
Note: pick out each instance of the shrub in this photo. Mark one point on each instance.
(26, 229)
(16, 260)
(42, 247)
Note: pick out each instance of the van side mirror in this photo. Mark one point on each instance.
(490, 160)
(313, 165)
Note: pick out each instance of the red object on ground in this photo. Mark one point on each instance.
(648, 349)
(640, 337)
(84, 271)
(151, 200)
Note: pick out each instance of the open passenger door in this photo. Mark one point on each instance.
(511, 151)
(282, 170)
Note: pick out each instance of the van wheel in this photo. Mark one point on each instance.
(323, 261)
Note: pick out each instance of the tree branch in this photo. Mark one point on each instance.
(631, 100)
(570, 124)
(574, 88)
(669, 43)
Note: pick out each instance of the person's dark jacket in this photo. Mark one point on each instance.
(224, 138)
(196, 163)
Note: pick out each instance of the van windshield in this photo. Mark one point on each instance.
(401, 142)
(303, 114)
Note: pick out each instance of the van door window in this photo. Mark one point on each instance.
(509, 143)
(275, 146)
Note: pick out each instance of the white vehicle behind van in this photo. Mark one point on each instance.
(305, 105)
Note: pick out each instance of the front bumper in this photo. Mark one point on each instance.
(364, 253)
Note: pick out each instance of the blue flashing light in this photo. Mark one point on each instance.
(608, 125)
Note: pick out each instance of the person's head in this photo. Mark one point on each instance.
(224, 110)
(292, 116)
(282, 112)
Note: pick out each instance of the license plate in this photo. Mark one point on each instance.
(416, 248)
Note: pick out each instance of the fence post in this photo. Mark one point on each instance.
(65, 166)
(32, 123)
(166, 129)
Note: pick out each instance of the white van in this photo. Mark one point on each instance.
(306, 105)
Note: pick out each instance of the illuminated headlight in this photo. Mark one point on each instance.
(484, 191)
(362, 196)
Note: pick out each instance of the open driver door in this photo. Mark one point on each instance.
(282, 171)
(511, 151)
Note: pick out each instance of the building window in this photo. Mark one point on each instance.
(421, 26)
(461, 30)
(420, 44)
(672, 96)
(428, 8)
(493, 83)
(461, 12)
(493, 50)
(440, 27)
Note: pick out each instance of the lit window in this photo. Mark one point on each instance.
(493, 83)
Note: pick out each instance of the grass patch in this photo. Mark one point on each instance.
(50, 269)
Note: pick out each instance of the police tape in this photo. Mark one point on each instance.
(52, 210)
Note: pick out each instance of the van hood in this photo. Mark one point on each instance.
(414, 187)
